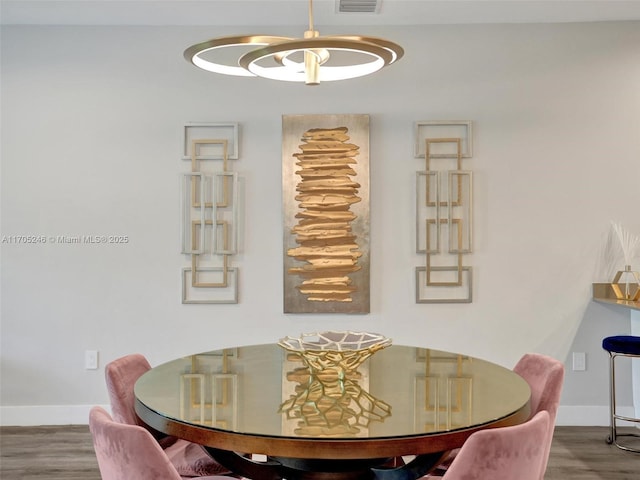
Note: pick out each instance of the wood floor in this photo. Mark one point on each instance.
(66, 453)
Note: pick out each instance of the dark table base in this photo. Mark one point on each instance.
(279, 468)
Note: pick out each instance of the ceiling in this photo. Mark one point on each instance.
(295, 12)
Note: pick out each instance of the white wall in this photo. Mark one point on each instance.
(91, 122)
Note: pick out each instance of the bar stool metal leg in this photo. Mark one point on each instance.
(613, 414)
(612, 400)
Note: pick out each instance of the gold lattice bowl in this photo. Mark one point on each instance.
(342, 350)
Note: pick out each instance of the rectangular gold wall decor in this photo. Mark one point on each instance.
(210, 209)
(325, 183)
(446, 285)
(462, 129)
(225, 292)
(444, 217)
(203, 130)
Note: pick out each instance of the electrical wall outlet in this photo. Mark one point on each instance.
(579, 361)
(91, 359)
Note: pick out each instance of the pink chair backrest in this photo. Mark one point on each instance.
(188, 459)
(506, 453)
(121, 376)
(545, 376)
(127, 452)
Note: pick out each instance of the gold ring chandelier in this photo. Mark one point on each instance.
(312, 59)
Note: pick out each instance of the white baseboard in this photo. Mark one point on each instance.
(590, 416)
(568, 415)
(46, 415)
(582, 415)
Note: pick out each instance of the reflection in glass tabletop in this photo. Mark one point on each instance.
(264, 399)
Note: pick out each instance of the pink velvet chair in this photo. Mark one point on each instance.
(545, 376)
(189, 459)
(129, 452)
(506, 453)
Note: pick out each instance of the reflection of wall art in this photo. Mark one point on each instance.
(444, 393)
(210, 217)
(209, 393)
(444, 220)
(325, 178)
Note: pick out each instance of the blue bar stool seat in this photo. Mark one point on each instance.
(625, 346)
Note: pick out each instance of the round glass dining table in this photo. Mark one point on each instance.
(264, 414)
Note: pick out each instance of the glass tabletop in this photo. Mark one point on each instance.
(266, 391)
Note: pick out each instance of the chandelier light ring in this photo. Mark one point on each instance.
(316, 51)
(378, 57)
(194, 53)
(396, 50)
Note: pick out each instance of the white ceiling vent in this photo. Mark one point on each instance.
(358, 6)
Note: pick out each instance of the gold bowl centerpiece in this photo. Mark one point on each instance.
(344, 350)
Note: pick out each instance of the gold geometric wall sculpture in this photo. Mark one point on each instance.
(325, 169)
(444, 216)
(203, 130)
(210, 217)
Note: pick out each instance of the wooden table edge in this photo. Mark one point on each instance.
(321, 448)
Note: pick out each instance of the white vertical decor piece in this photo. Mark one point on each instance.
(444, 212)
(210, 214)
